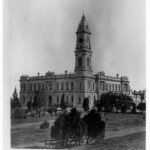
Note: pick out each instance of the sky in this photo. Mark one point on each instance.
(39, 36)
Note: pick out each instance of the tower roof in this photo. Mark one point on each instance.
(83, 25)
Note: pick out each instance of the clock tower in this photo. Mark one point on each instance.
(83, 51)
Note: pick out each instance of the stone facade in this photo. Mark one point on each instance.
(75, 86)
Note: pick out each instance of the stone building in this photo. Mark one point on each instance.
(74, 86)
(138, 96)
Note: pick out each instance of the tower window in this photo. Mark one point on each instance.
(80, 40)
(80, 61)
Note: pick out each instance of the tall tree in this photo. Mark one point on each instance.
(95, 126)
(63, 103)
(38, 102)
(15, 102)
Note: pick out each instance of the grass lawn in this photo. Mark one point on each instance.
(114, 122)
(31, 120)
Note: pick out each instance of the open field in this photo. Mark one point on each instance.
(116, 125)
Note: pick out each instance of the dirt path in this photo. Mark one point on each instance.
(27, 125)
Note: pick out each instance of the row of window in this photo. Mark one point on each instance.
(68, 99)
(112, 87)
(65, 86)
(40, 86)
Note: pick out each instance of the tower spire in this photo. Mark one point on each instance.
(83, 51)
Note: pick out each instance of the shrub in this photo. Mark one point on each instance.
(44, 125)
(51, 110)
(19, 114)
(141, 106)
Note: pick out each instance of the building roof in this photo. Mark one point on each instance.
(83, 25)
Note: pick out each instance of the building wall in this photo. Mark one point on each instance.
(75, 88)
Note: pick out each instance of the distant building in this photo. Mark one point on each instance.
(75, 86)
(138, 96)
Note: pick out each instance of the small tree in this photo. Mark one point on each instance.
(75, 125)
(38, 102)
(57, 130)
(63, 104)
(95, 126)
(86, 104)
(29, 104)
(15, 103)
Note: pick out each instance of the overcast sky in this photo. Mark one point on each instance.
(39, 35)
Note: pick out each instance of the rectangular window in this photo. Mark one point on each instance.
(30, 87)
(71, 85)
(119, 88)
(57, 86)
(39, 86)
(106, 87)
(80, 85)
(72, 99)
(62, 86)
(50, 85)
(113, 87)
(34, 86)
(109, 87)
(42, 86)
(57, 99)
(79, 102)
(66, 85)
(116, 87)
(93, 86)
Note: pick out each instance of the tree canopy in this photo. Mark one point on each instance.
(72, 126)
(95, 126)
(110, 100)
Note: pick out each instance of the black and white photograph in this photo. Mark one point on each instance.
(74, 74)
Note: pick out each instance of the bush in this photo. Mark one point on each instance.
(141, 106)
(50, 110)
(19, 114)
(44, 125)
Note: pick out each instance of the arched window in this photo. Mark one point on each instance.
(80, 61)
(88, 61)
